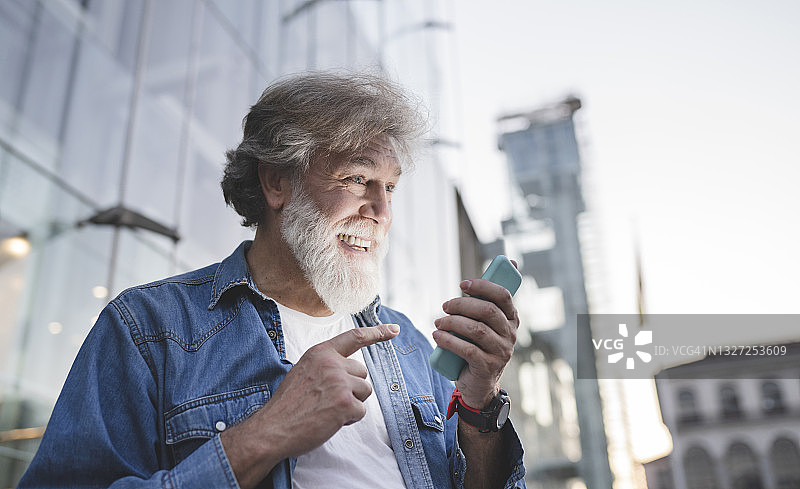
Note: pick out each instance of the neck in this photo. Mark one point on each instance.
(278, 275)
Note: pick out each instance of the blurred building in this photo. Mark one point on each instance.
(114, 117)
(565, 434)
(734, 423)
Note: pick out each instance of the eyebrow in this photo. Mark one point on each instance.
(369, 163)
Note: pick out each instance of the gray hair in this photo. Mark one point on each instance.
(316, 114)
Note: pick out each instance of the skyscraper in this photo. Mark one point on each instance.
(545, 169)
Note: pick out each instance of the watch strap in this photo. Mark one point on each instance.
(484, 421)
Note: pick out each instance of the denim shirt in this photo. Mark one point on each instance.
(171, 364)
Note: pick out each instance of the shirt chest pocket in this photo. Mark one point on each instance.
(427, 413)
(193, 423)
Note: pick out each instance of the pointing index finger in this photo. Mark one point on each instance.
(353, 340)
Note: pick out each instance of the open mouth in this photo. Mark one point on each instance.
(354, 242)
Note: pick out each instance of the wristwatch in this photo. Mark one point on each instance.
(493, 418)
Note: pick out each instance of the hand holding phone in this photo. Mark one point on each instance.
(502, 272)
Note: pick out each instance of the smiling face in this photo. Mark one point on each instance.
(337, 221)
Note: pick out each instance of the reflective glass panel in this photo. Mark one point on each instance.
(242, 16)
(115, 25)
(17, 20)
(209, 228)
(96, 126)
(223, 93)
(47, 79)
(152, 180)
(143, 257)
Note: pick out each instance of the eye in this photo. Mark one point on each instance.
(390, 187)
(359, 180)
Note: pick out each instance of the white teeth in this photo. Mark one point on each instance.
(354, 241)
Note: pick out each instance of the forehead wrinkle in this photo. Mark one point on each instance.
(366, 161)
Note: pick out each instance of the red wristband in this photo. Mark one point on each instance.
(451, 408)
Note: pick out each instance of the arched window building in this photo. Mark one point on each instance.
(700, 469)
(729, 401)
(785, 463)
(733, 422)
(687, 407)
(772, 398)
(742, 467)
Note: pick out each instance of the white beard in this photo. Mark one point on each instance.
(345, 283)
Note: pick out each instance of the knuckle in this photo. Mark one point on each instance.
(479, 331)
(329, 376)
(315, 351)
(326, 363)
(358, 368)
(359, 412)
(494, 367)
(360, 335)
(471, 351)
(507, 353)
(487, 309)
(309, 353)
(512, 335)
(343, 399)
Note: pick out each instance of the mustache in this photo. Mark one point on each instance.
(362, 228)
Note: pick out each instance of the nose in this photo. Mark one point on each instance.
(377, 206)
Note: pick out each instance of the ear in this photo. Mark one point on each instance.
(275, 186)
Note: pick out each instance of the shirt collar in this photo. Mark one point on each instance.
(233, 272)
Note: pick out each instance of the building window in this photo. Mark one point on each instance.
(687, 407)
(730, 402)
(771, 398)
(699, 468)
(785, 460)
(743, 467)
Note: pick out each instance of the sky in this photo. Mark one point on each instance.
(689, 140)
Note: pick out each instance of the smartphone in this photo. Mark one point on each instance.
(502, 272)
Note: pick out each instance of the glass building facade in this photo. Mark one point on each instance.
(114, 119)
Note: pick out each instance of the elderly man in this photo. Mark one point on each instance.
(279, 367)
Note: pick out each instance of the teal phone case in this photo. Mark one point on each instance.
(502, 272)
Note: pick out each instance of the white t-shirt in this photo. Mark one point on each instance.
(357, 456)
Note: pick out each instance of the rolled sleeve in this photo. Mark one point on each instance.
(513, 453)
(208, 466)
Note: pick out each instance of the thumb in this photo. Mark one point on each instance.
(353, 340)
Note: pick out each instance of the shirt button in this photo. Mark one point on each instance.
(409, 444)
(220, 426)
(395, 387)
(272, 334)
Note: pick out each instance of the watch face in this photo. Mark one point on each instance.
(502, 415)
